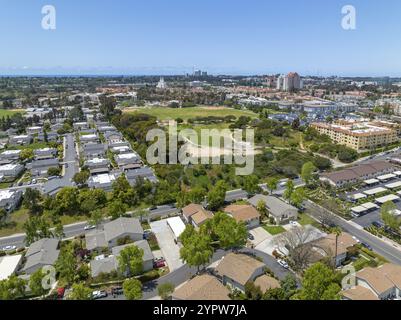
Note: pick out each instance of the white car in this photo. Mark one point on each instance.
(294, 223)
(356, 239)
(283, 264)
(89, 227)
(9, 248)
(99, 294)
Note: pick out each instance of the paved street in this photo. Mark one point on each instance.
(390, 252)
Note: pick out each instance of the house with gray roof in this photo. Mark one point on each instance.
(94, 150)
(20, 140)
(143, 172)
(98, 165)
(103, 265)
(45, 153)
(40, 167)
(112, 231)
(281, 211)
(43, 252)
(51, 136)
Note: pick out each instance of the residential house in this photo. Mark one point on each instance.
(89, 138)
(10, 199)
(382, 283)
(266, 282)
(51, 136)
(41, 253)
(34, 130)
(103, 265)
(121, 149)
(102, 181)
(128, 161)
(244, 213)
(98, 165)
(326, 247)
(80, 126)
(107, 128)
(45, 153)
(281, 211)
(20, 140)
(9, 265)
(112, 231)
(113, 137)
(40, 167)
(11, 155)
(144, 172)
(94, 150)
(196, 215)
(11, 170)
(203, 287)
(236, 270)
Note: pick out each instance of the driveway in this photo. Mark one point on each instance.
(165, 238)
(259, 235)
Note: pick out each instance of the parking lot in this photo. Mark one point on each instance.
(365, 220)
(165, 238)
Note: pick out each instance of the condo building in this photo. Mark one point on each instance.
(358, 135)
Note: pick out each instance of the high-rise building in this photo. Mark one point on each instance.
(289, 82)
(162, 84)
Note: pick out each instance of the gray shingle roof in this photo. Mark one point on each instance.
(142, 244)
(275, 206)
(121, 226)
(42, 252)
(105, 265)
(95, 240)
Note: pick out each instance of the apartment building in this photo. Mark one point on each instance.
(358, 135)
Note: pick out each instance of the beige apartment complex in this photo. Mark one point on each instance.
(359, 135)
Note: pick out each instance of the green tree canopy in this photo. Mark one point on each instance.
(130, 260)
(132, 289)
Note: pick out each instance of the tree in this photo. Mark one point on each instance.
(54, 171)
(3, 215)
(35, 283)
(261, 207)
(226, 230)
(26, 154)
(196, 250)
(251, 184)
(59, 230)
(36, 228)
(96, 217)
(388, 216)
(337, 232)
(32, 199)
(298, 197)
(132, 289)
(290, 187)
(12, 288)
(130, 260)
(297, 241)
(80, 292)
(307, 172)
(217, 195)
(165, 290)
(80, 178)
(116, 209)
(66, 201)
(319, 283)
(272, 184)
(253, 292)
(66, 265)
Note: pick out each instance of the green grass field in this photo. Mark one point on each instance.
(274, 230)
(164, 113)
(4, 113)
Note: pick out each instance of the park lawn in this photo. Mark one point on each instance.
(33, 146)
(5, 185)
(165, 113)
(5, 113)
(274, 230)
(72, 219)
(15, 223)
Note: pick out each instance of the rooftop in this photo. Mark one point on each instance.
(203, 287)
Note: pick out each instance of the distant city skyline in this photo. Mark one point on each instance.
(156, 37)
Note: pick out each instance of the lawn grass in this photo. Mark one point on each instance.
(15, 223)
(274, 230)
(5, 113)
(33, 146)
(304, 219)
(280, 142)
(165, 113)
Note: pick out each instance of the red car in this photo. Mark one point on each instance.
(159, 264)
(60, 293)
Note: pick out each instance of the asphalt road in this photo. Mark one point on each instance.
(383, 248)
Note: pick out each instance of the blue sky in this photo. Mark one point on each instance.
(221, 36)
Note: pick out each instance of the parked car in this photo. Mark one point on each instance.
(283, 264)
(356, 239)
(60, 293)
(9, 248)
(250, 236)
(159, 264)
(89, 227)
(99, 294)
(377, 224)
(117, 291)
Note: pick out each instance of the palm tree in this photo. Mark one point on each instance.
(337, 232)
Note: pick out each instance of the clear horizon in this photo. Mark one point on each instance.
(153, 37)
